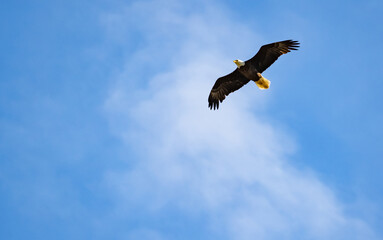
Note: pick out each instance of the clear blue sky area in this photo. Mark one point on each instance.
(105, 131)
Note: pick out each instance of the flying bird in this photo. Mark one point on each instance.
(249, 70)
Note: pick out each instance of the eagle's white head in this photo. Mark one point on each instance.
(239, 63)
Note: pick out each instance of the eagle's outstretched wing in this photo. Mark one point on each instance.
(224, 86)
(269, 53)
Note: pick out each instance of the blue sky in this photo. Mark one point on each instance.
(105, 131)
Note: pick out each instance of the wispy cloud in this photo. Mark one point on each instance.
(230, 167)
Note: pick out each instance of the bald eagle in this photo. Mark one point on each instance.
(249, 70)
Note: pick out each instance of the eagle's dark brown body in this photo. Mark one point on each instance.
(250, 72)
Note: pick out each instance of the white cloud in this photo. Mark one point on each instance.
(232, 164)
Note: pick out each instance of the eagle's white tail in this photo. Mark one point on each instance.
(263, 83)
